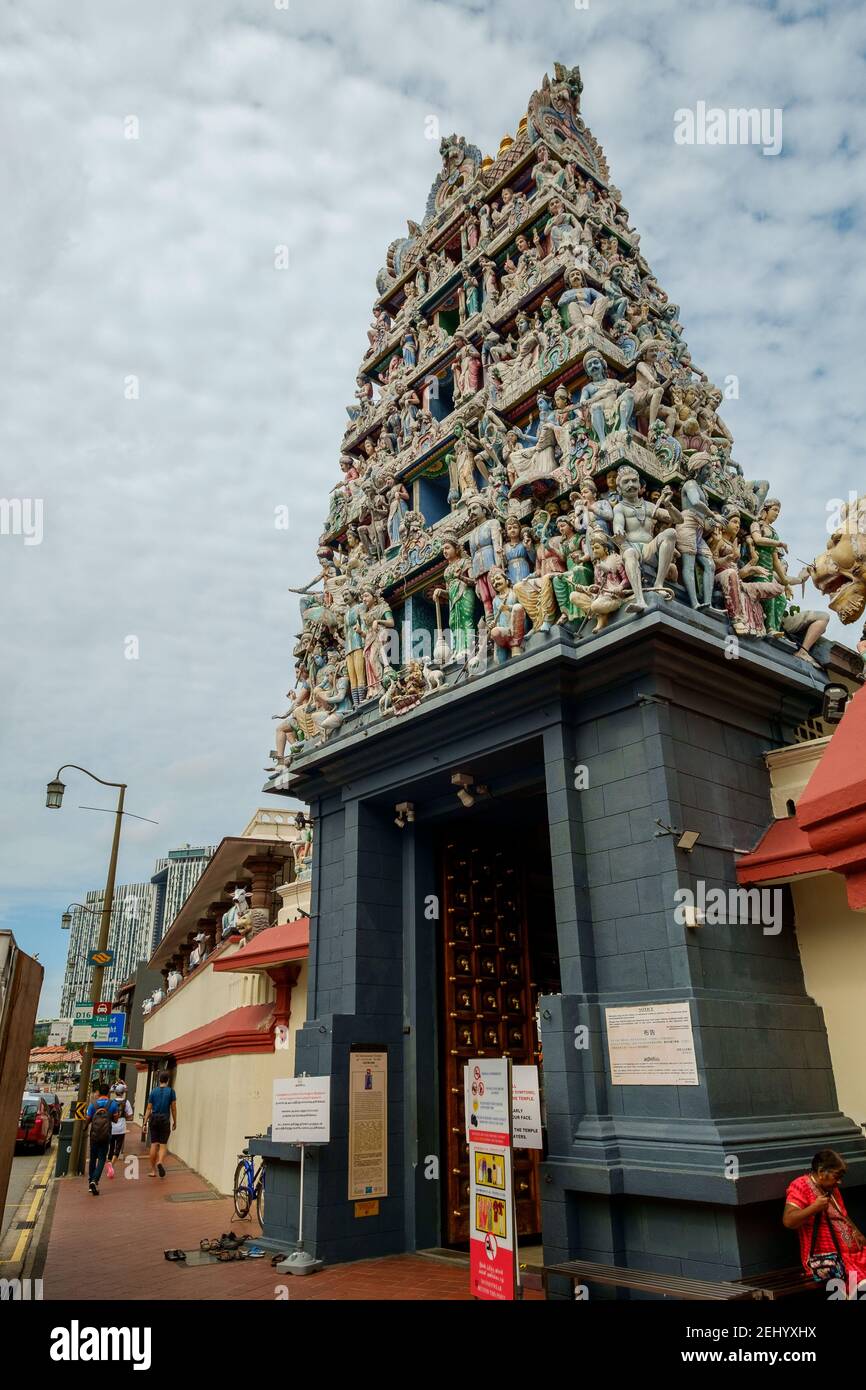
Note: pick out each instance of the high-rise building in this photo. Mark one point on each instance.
(174, 878)
(129, 938)
(141, 914)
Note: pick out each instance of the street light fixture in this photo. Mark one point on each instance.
(53, 800)
(66, 918)
(54, 794)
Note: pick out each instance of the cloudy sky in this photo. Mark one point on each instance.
(164, 387)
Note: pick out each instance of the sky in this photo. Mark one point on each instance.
(195, 201)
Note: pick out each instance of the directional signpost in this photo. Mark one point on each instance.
(96, 1023)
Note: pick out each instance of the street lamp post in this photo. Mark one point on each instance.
(53, 799)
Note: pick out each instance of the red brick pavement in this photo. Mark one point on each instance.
(111, 1247)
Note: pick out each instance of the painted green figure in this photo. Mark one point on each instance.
(578, 569)
(461, 597)
(768, 544)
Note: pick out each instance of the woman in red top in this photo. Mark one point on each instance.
(814, 1207)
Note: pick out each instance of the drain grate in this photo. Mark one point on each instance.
(194, 1197)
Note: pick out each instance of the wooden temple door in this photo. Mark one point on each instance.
(499, 954)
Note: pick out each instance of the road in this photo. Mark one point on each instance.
(24, 1169)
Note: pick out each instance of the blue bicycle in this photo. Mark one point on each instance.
(249, 1187)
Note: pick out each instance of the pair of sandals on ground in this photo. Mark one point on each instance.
(225, 1248)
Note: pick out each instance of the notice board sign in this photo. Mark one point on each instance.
(651, 1045)
(526, 1108)
(368, 1124)
(492, 1253)
(301, 1110)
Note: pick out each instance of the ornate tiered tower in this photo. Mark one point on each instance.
(551, 625)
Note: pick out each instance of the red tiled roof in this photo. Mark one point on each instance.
(782, 852)
(248, 1029)
(273, 946)
(827, 834)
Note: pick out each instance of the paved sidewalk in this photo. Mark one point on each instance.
(111, 1247)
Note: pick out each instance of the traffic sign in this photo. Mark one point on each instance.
(98, 1023)
(78, 1109)
(100, 957)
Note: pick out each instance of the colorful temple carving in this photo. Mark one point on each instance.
(531, 445)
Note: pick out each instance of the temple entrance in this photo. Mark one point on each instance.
(499, 954)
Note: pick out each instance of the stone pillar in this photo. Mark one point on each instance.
(686, 1179)
(356, 991)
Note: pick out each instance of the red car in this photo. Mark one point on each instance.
(36, 1124)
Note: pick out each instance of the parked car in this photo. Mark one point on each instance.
(55, 1106)
(35, 1124)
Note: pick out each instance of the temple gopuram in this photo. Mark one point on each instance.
(552, 634)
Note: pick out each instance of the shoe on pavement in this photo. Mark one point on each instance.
(93, 1188)
(160, 1170)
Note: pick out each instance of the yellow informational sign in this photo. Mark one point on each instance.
(368, 1125)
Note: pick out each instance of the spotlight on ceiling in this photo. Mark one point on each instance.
(405, 814)
(835, 700)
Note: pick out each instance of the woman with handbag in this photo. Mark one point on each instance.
(831, 1246)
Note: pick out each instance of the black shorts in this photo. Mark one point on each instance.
(159, 1128)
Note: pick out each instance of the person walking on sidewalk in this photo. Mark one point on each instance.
(118, 1124)
(100, 1113)
(161, 1114)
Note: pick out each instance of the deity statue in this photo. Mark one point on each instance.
(610, 585)
(489, 281)
(518, 274)
(398, 504)
(578, 567)
(471, 294)
(460, 593)
(582, 306)
(378, 334)
(633, 522)
(696, 518)
(536, 593)
(353, 642)
(508, 628)
(332, 696)
(547, 174)
(767, 549)
(564, 231)
(592, 513)
(485, 550)
(466, 369)
(518, 551)
(377, 621)
(409, 346)
(743, 595)
(462, 465)
(611, 403)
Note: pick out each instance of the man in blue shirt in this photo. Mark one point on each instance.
(161, 1116)
(100, 1113)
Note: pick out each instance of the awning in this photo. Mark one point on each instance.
(289, 941)
(247, 1029)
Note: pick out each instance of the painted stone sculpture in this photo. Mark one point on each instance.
(531, 452)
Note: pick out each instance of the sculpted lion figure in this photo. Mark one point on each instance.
(840, 571)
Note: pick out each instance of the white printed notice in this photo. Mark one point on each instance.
(301, 1110)
(651, 1045)
(526, 1108)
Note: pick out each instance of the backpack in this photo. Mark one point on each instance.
(100, 1125)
